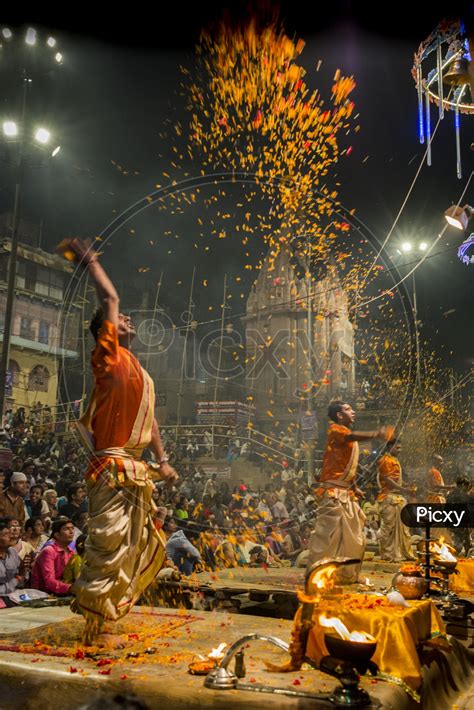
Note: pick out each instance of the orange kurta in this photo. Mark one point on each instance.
(118, 390)
(389, 470)
(116, 417)
(338, 454)
(434, 478)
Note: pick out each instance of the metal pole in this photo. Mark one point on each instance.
(417, 337)
(310, 369)
(5, 357)
(219, 362)
(183, 359)
(158, 289)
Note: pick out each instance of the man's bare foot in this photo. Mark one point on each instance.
(109, 641)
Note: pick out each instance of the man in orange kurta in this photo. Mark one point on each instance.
(435, 482)
(124, 550)
(394, 540)
(339, 527)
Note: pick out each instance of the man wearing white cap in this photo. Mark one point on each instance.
(12, 501)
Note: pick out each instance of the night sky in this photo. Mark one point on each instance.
(117, 95)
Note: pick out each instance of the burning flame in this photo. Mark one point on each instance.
(343, 631)
(322, 578)
(442, 552)
(216, 653)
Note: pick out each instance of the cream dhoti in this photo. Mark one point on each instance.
(124, 551)
(395, 539)
(338, 531)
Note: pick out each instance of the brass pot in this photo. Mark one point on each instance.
(410, 587)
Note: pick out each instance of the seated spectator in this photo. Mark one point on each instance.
(76, 495)
(80, 520)
(258, 556)
(372, 531)
(219, 512)
(292, 545)
(35, 504)
(12, 571)
(73, 567)
(51, 498)
(279, 510)
(273, 540)
(12, 498)
(263, 509)
(22, 547)
(64, 481)
(29, 471)
(182, 508)
(224, 493)
(210, 487)
(34, 533)
(225, 553)
(205, 544)
(51, 478)
(179, 549)
(53, 558)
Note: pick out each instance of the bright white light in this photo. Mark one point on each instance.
(30, 36)
(42, 135)
(58, 57)
(7, 33)
(406, 247)
(423, 246)
(51, 42)
(56, 150)
(398, 251)
(454, 222)
(459, 217)
(10, 128)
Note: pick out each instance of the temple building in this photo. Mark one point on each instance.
(299, 339)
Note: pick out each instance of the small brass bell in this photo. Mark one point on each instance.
(458, 72)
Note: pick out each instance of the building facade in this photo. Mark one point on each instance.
(45, 332)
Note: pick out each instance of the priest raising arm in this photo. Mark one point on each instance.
(124, 551)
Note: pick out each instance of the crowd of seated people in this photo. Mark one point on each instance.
(208, 523)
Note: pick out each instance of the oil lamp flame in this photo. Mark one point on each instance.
(442, 551)
(217, 653)
(343, 631)
(322, 578)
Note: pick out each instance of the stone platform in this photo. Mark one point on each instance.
(269, 591)
(46, 668)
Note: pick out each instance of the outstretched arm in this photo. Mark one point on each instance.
(394, 486)
(385, 432)
(156, 445)
(167, 472)
(85, 256)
